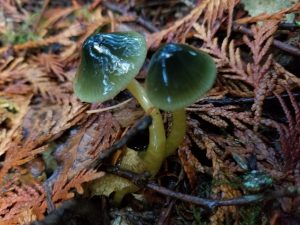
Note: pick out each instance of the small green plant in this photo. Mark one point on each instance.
(21, 33)
(197, 216)
(251, 215)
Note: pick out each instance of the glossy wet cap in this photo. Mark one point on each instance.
(108, 63)
(178, 76)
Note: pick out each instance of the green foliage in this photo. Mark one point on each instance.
(85, 13)
(234, 182)
(251, 215)
(19, 37)
(20, 33)
(50, 161)
(82, 14)
(256, 7)
(197, 216)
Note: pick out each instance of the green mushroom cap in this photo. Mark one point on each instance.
(178, 76)
(108, 63)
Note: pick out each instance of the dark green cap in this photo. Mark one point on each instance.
(108, 63)
(178, 76)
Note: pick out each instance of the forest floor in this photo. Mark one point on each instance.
(239, 162)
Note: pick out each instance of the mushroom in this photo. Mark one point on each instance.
(178, 76)
(109, 63)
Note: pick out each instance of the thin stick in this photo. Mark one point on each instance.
(237, 101)
(279, 44)
(142, 181)
(108, 108)
(289, 26)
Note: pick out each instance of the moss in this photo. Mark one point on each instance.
(251, 215)
(20, 33)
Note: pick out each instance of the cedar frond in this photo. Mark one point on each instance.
(10, 10)
(12, 80)
(11, 70)
(207, 144)
(42, 124)
(254, 143)
(52, 16)
(230, 64)
(235, 87)
(218, 116)
(228, 58)
(290, 136)
(214, 153)
(80, 152)
(262, 40)
(216, 11)
(243, 141)
(52, 65)
(285, 78)
(12, 112)
(63, 38)
(275, 16)
(47, 88)
(178, 29)
(265, 87)
(97, 135)
(226, 191)
(17, 156)
(17, 200)
(189, 162)
(262, 79)
(62, 188)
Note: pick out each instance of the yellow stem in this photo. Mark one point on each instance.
(176, 135)
(155, 153)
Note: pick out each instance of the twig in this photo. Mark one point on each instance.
(48, 187)
(142, 124)
(109, 108)
(165, 213)
(94, 4)
(289, 26)
(142, 181)
(279, 44)
(237, 101)
(119, 9)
